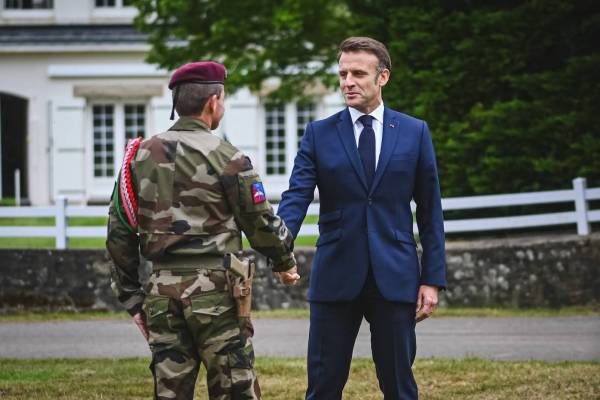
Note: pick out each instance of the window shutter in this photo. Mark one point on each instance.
(67, 149)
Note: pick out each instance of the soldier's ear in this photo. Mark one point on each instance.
(211, 103)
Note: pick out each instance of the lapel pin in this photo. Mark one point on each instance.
(392, 126)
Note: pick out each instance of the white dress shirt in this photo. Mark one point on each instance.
(377, 124)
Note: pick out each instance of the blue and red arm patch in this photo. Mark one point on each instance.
(258, 193)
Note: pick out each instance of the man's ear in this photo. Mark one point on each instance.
(384, 77)
(211, 103)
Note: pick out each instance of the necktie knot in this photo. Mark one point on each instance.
(366, 120)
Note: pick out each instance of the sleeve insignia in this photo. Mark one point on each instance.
(258, 193)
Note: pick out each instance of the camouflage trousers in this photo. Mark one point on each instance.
(192, 319)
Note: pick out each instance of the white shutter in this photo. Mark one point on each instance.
(68, 149)
(160, 112)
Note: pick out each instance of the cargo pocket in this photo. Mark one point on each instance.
(213, 318)
(212, 304)
(241, 367)
(156, 309)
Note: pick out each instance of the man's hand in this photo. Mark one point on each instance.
(427, 300)
(140, 321)
(289, 277)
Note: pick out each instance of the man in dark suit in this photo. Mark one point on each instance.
(368, 162)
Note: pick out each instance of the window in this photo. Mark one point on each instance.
(105, 3)
(114, 3)
(135, 121)
(103, 140)
(275, 139)
(28, 4)
(113, 125)
(282, 140)
(304, 114)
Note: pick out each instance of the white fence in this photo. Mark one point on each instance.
(580, 195)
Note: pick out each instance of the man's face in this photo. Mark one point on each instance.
(359, 81)
(219, 109)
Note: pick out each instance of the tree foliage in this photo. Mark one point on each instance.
(510, 89)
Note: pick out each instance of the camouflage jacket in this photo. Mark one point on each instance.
(195, 194)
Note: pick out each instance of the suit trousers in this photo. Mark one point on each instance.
(333, 330)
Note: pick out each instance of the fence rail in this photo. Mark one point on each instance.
(580, 196)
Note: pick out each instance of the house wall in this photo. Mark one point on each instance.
(68, 12)
(28, 75)
(52, 78)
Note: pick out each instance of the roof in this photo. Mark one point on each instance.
(65, 35)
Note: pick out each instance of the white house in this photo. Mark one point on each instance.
(74, 86)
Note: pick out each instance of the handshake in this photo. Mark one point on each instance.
(289, 277)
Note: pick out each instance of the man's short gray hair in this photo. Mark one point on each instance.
(192, 97)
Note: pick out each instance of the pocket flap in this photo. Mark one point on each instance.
(405, 237)
(213, 304)
(328, 237)
(155, 306)
(403, 156)
(330, 216)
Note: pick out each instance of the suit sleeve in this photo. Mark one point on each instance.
(122, 244)
(430, 218)
(295, 200)
(265, 231)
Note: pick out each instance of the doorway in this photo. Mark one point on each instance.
(13, 144)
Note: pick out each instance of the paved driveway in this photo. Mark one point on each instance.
(573, 338)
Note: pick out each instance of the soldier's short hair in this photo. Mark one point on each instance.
(192, 97)
(375, 47)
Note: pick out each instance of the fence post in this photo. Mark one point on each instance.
(581, 206)
(18, 187)
(61, 222)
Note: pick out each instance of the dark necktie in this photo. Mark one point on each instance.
(366, 147)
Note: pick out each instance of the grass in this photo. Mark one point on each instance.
(303, 313)
(99, 243)
(7, 202)
(285, 379)
(48, 242)
(49, 221)
(93, 243)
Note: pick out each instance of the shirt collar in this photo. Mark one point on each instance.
(189, 124)
(376, 113)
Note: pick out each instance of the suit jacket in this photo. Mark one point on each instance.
(361, 226)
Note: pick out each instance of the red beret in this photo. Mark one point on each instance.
(199, 72)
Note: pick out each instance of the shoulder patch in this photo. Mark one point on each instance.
(258, 193)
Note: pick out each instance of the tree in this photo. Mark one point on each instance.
(509, 88)
(256, 40)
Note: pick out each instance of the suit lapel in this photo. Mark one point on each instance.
(346, 133)
(388, 142)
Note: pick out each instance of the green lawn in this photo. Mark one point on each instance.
(49, 221)
(295, 313)
(100, 243)
(285, 379)
(41, 243)
(94, 243)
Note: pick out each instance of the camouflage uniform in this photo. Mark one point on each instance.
(194, 193)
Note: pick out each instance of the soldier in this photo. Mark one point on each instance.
(182, 198)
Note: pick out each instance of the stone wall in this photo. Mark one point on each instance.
(547, 270)
(521, 272)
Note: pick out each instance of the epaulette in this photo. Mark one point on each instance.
(125, 196)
